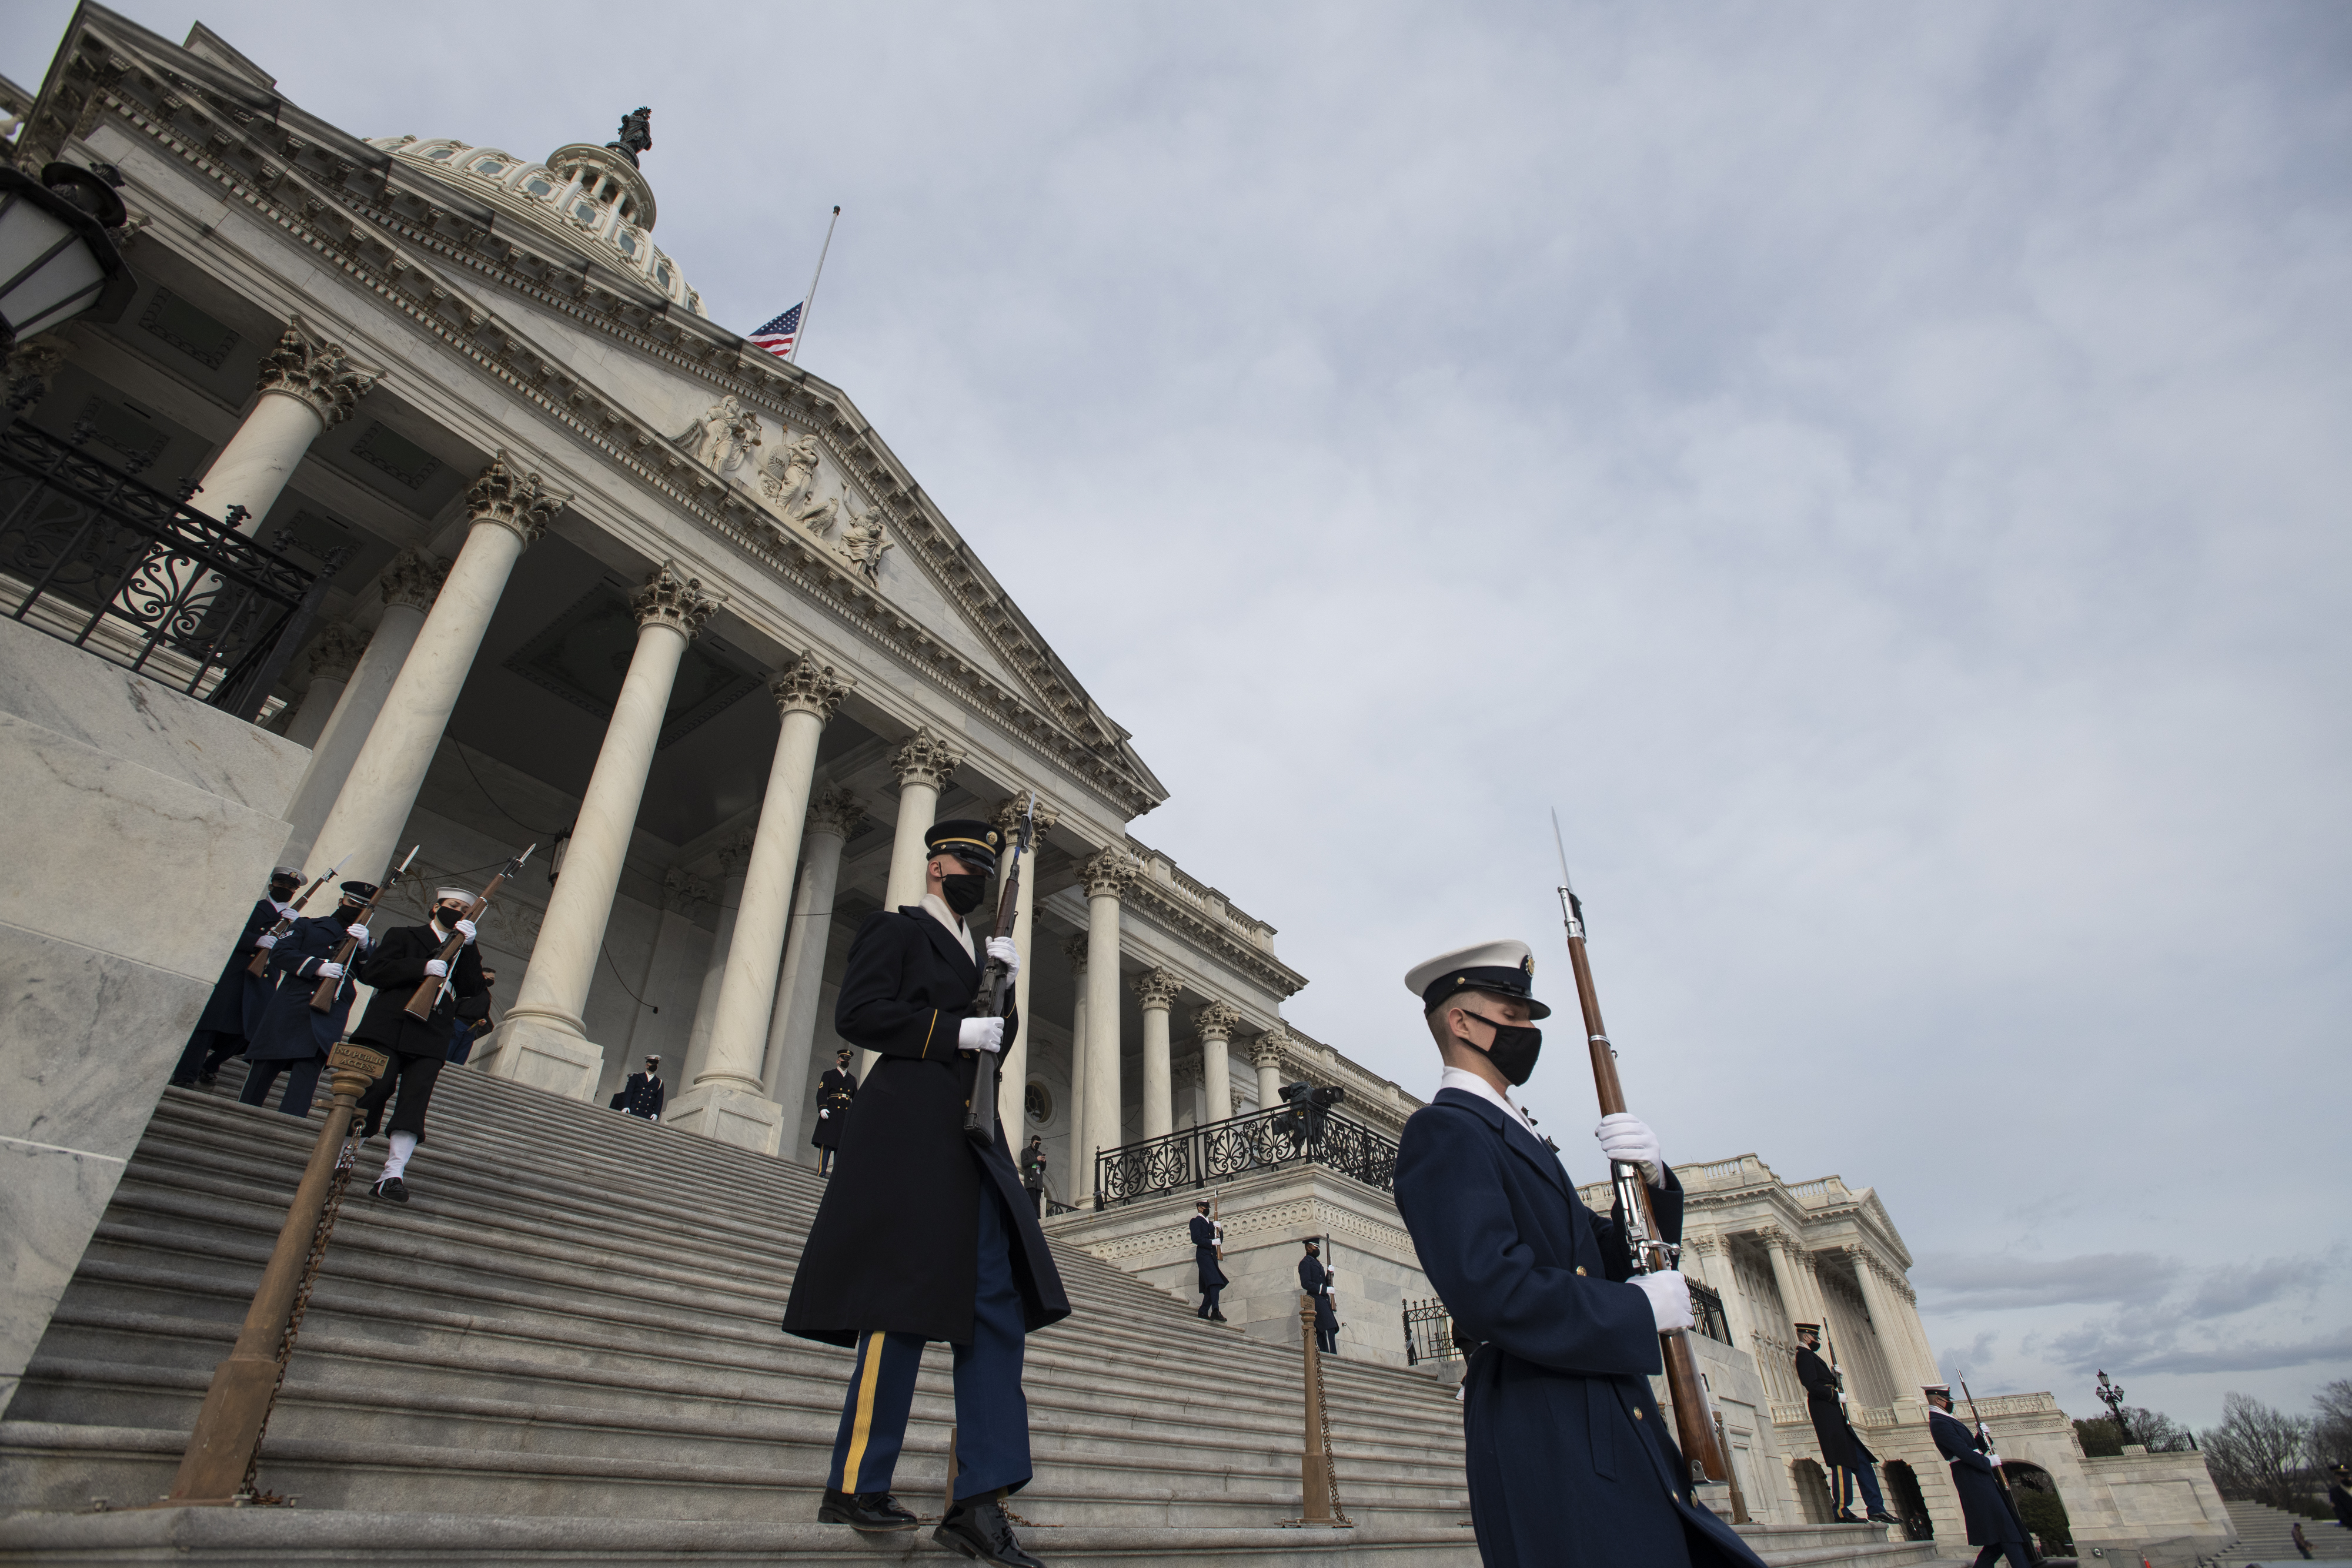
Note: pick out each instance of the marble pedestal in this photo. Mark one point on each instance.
(728, 1116)
(559, 1061)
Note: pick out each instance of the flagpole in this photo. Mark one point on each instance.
(808, 306)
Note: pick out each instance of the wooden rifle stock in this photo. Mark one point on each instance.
(323, 1000)
(1693, 1427)
(260, 966)
(420, 1002)
(995, 996)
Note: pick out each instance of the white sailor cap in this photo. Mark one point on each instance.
(452, 896)
(1506, 968)
(285, 873)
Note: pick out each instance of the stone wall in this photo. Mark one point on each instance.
(141, 827)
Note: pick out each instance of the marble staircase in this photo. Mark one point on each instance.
(566, 1349)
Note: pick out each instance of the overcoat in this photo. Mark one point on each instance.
(1316, 1281)
(895, 1245)
(1571, 1462)
(835, 1094)
(1982, 1504)
(291, 1031)
(1831, 1429)
(394, 967)
(643, 1095)
(239, 999)
(1204, 1254)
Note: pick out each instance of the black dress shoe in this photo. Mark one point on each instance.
(1881, 1517)
(206, 1080)
(392, 1187)
(1216, 1317)
(977, 1527)
(871, 1511)
(1847, 1516)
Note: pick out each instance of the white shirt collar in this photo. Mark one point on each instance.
(936, 907)
(1470, 1082)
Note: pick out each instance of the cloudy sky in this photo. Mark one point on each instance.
(1880, 471)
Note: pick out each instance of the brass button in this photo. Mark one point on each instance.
(1580, 1267)
(1637, 1412)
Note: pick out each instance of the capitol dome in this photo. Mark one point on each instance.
(594, 198)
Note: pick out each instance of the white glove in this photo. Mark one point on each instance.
(1670, 1302)
(1627, 1139)
(437, 968)
(1001, 949)
(358, 931)
(981, 1034)
(330, 970)
(466, 929)
(824, 1115)
(1993, 1458)
(265, 940)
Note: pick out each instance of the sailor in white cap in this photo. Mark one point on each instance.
(1571, 1461)
(403, 960)
(1976, 1476)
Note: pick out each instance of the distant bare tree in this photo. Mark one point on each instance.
(2160, 1432)
(2257, 1450)
(2331, 1432)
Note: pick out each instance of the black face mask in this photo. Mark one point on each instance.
(448, 919)
(963, 890)
(1513, 1052)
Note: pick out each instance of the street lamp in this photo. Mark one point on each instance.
(2111, 1395)
(57, 259)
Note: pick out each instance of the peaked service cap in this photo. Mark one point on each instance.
(970, 840)
(285, 873)
(1506, 968)
(359, 892)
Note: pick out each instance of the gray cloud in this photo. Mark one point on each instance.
(1990, 1283)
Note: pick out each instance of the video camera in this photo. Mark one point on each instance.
(1305, 1107)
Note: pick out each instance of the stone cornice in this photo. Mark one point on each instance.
(334, 195)
(1210, 936)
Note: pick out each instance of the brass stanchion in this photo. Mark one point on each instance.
(215, 1470)
(1318, 1487)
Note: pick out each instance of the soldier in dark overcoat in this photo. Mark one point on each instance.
(402, 959)
(294, 1037)
(643, 1094)
(1570, 1464)
(232, 1014)
(922, 1233)
(1316, 1281)
(1842, 1446)
(835, 1094)
(1204, 1260)
(1976, 1477)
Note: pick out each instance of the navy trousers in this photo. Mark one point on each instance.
(991, 1414)
(1871, 1500)
(1208, 1301)
(301, 1084)
(206, 1049)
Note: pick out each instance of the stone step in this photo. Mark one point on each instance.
(2265, 1535)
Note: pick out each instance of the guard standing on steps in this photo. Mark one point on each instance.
(294, 1036)
(1316, 1281)
(1842, 1448)
(922, 1234)
(1975, 1477)
(642, 1095)
(402, 960)
(833, 1094)
(232, 1014)
(1205, 1259)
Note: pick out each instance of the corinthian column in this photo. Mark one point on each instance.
(727, 1099)
(1266, 1056)
(1106, 877)
(1214, 1024)
(1012, 1076)
(924, 764)
(1157, 989)
(1909, 1365)
(331, 658)
(510, 507)
(1081, 1155)
(833, 817)
(733, 858)
(543, 1040)
(308, 387)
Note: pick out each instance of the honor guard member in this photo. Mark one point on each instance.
(403, 960)
(1033, 1173)
(1975, 1476)
(1316, 1281)
(922, 1235)
(232, 1014)
(833, 1093)
(1205, 1259)
(641, 1094)
(294, 1037)
(1841, 1447)
(1571, 1461)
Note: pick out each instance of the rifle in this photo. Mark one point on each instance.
(1999, 1476)
(260, 966)
(995, 998)
(1694, 1428)
(323, 1000)
(420, 1003)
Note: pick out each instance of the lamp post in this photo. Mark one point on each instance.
(2111, 1395)
(57, 259)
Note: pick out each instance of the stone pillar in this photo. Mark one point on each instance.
(1798, 1302)
(543, 1040)
(332, 658)
(924, 764)
(408, 586)
(1012, 1076)
(1157, 989)
(308, 386)
(510, 507)
(733, 857)
(1266, 1056)
(727, 1100)
(1106, 877)
(1081, 1157)
(833, 817)
(1909, 1365)
(1214, 1024)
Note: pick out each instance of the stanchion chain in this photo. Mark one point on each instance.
(345, 1160)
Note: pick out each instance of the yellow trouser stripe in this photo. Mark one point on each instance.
(869, 1377)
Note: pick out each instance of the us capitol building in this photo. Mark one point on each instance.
(604, 577)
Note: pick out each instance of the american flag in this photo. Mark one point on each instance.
(778, 335)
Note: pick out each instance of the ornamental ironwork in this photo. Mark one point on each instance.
(1429, 1333)
(1259, 1140)
(97, 558)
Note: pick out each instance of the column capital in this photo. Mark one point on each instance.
(1075, 950)
(413, 579)
(682, 890)
(925, 758)
(811, 685)
(29, 369)
(836, 811)
(513, 498)
(1266, 1050)
(671, 601)
(1706, 1246)
(1108, 874)
(1011, 809)
(1157, 989)
(319, 374)
(337, 651)
(734, 852)
(1217, 1021)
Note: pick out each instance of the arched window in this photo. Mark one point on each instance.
(1813, 1492)
(1910, 1504)
(2039, 1504)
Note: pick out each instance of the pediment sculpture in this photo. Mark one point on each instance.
(788, 474)
(863, 542)
(725, 437)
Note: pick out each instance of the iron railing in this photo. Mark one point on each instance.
(1261, 1140)
(1429, 1333)
(1706, 1306)
(100, 560)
